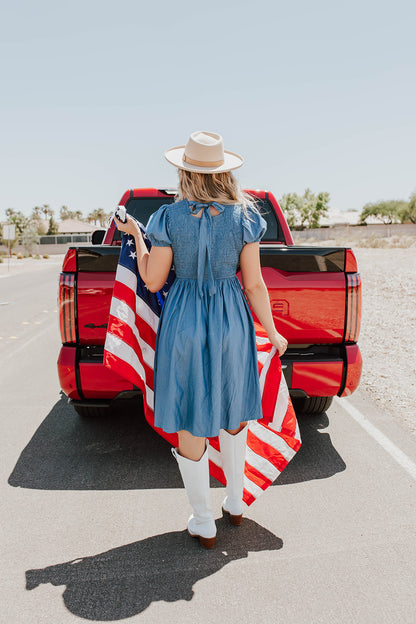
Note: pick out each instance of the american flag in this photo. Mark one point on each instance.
(129, 350)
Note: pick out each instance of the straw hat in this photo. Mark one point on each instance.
(204, 153)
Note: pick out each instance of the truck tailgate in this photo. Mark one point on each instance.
(307, 286)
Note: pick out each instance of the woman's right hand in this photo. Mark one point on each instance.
(279, 342)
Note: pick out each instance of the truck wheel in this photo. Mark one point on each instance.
(312, 406)
(91, 411)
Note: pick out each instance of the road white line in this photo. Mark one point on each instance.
(389, 446)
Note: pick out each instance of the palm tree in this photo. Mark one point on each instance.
(36, 212)
(46, 210)
(92, 217)
(64, 213)
(101, 216)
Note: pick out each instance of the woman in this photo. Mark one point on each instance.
(206, 370)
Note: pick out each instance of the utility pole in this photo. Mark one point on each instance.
(9, 233)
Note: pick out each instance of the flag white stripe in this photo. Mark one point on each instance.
(270, 438)
(126, 277)
(263, 373)
(260, 340)
(251, 487)
(121, 310)
(280, 409)
(146, 313)
(120, 349)
(129, 279)
(297, 431)
(214, 456)
(262, 357)
(262, 465)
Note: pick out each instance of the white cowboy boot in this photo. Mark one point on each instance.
(233, 454)
(195, 476)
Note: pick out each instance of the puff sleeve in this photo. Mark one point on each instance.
(253, 228)
(157, 228)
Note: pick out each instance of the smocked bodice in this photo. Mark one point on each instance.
(205, 248)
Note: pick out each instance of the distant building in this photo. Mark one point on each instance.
(346, 217)
(73, 226)
(340, 217)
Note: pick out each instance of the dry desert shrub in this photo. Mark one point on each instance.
(392, 242)
(407, 241)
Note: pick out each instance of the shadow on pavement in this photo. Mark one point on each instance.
(121, 451)
(124, 581)
(317, 458)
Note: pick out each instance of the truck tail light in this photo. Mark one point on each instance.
(66, 306)
(70, 261)
(350, 262)
(353, 304)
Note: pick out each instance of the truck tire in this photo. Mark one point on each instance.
(312, 406)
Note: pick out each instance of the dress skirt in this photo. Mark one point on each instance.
(206, 367)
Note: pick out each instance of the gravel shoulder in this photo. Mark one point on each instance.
(388, 338)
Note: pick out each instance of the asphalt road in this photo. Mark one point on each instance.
(93, 512)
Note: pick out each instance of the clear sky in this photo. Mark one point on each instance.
(317, 94)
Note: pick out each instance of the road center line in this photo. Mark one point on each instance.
(389, 446)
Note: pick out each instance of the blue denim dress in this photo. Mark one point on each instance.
(206, 369)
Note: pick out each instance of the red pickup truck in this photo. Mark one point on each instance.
(315, 296)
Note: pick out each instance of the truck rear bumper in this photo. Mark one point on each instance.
(323, 370)
(309, 370)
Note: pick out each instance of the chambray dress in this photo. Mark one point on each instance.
(206, 370)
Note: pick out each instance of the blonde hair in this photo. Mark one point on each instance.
(220, 187)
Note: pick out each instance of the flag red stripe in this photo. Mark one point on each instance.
(289, 423)
(216, 472)
(124, 293)
(271, 389)
(267, 451)
(290, 441)
(256, 476)
(214, 442)
(248, 498)
(123, 369)
(123, 331)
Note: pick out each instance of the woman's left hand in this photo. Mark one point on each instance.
(130, 227)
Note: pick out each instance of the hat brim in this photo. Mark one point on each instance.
(175, 157)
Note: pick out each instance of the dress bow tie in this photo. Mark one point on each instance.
(204, 248)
